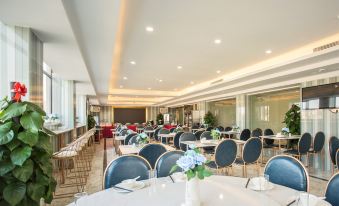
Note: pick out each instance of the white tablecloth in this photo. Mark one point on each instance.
(215, 190)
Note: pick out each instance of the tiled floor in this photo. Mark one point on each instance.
(94, 182)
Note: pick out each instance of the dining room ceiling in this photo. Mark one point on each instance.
(156, 50)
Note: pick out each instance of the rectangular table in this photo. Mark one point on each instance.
(130, 149)
(149, 132)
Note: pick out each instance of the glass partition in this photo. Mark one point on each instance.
(268, 110)
(224, 111)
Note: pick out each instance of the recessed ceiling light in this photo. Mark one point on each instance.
(192, 82)
(160, 80)
(125, 78)
(149, 29)
(175, 89)
(179, 67)
(218, 71)
(217, 41)
(321, 70)
(132, 62)
(149, 88)
(268, 51)
(121, 86)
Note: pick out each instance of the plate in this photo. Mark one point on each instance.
(134, 187)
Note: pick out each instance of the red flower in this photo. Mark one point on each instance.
(19, 90)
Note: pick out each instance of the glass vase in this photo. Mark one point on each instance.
(192, 196)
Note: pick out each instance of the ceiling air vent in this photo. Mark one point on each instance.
(326, 46)
(217, 81)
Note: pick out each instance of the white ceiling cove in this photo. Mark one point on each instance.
(94, 42)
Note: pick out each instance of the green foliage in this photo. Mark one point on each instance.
(292, 119)
(90, 122)
(215, 134)
(210, 119)
(160, 119)
(25, 155)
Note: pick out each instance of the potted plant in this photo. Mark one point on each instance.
(160, 119)
(193, 165)
(292, 121)
(90, 122)
(142, 139)
(215, 133)
(25, 153)
(209, 119)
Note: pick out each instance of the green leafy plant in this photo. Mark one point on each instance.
(210, 119)
(160, 119)
(25, 155)
(215, 133)
(90, 122)
(292, 119)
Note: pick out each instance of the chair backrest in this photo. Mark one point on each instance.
(149, 128)
(225, 153)
(333, 146)
(133, 139)
(125, 167)
(256, 132)
(151, 152)
(245, 134)
(220, 128)
(337, 159)
(305, 142)
(209, 129)
(287, 171)
(228, 129)
(252, 150)
(128, 137)
(166, 161)
(186, 137)
(172, 129)
(163, 131)
(268, 132)
(206, 134)
(202, 126)
(195, 126)
(123, 132)
(156, 132)
(198, 134)
(176, 139)
(318, 142)
(332, 190)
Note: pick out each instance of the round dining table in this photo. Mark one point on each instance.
(214, 191)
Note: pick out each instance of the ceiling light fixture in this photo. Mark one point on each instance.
(149, 88)
(192, 82)
(268, 51)
(121, 86)
(218, 71)
(321, 70)
(160, 80)
(217, 41)
(179, 67)
(125, 78)
(149, 29)
(132, 62)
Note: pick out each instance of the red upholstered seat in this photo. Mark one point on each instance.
(107, 132)
(132, 127)
(168, 126)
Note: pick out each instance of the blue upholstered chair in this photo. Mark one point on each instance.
(256, 133)
(333, 146)
(186, 137)
(151, 152)
(250, 154)
(332, 190)
(123, 132)
(337, 159)
(269, 143)
(202, 126)
(245, 134)
(318, 146)
(304, 146)
(209, 129)
(220, 128)
(156, 132)
(172, 129)
(198, 134)
(133, 139)
(125, 167)
(227, 135)
(287, 171)
(163, 131)
(206, 134)
(176, 140)
(128, 137)
(225, 155)
(166, 161)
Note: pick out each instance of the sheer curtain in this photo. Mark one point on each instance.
(81, 109)
(63, 101)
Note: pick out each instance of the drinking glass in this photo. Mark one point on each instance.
(78, 196)
(303, 199)
(152, 181)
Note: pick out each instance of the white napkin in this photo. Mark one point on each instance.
(179, 177)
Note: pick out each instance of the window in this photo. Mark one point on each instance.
(47, 89)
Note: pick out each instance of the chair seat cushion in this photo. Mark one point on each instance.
(212, 165)
(292, 152)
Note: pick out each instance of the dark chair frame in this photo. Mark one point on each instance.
(157, 162)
